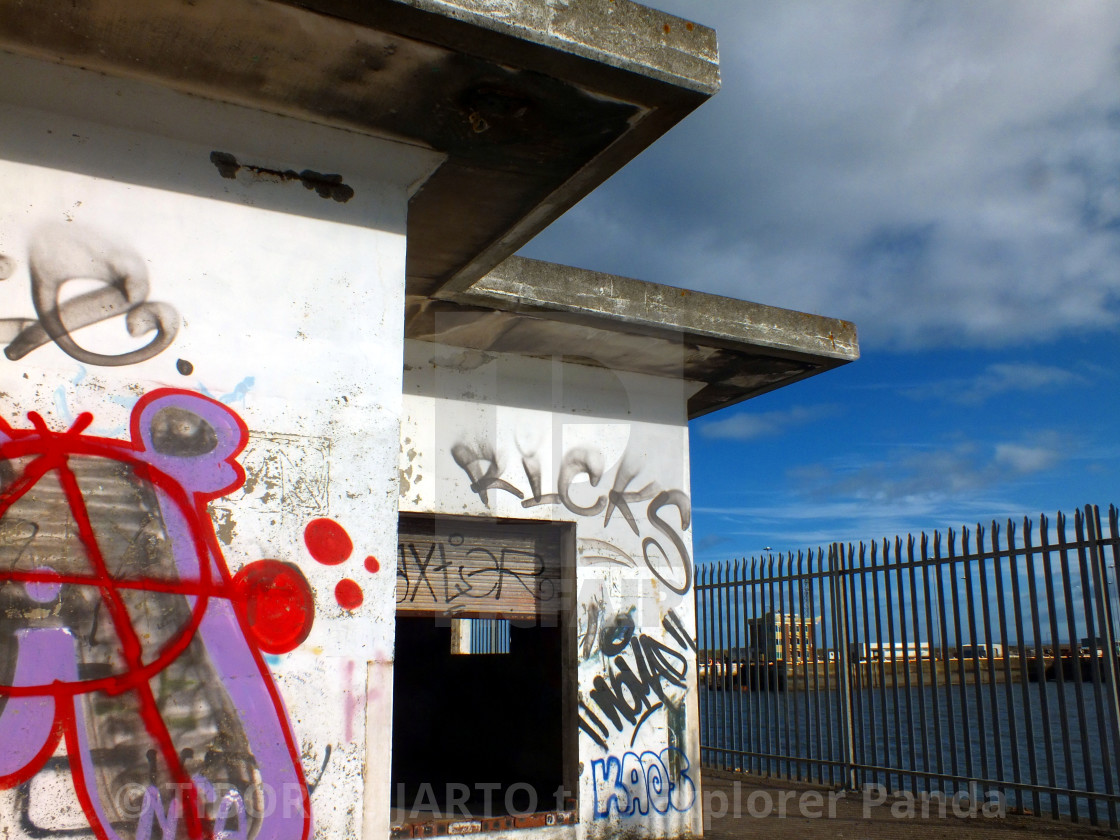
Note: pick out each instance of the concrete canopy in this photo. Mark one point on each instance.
(534, 104)
(732, 349)
(531, 104)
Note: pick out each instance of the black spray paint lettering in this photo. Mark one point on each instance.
(583, 461)
(684, 573)
(471, 460)
(59, 254)
(592, 611)
(623, 696)
(619, 498)
(531, 463)
(448, 582)
(484, 469)
(423, 568)
(578, 462)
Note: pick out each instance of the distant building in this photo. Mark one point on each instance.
(1097, 645)
(981, 651)
(780, 637)
(888, 651)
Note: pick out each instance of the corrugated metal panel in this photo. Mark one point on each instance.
(489, 635)
(478, 568)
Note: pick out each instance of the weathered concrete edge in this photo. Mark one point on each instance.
(521, 283)
(617, 33)
(665, 64)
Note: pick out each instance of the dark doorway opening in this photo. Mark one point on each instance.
(477, 735)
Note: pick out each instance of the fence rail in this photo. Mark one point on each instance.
(975, 662)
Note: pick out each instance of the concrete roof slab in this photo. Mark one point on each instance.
(533, 104)
(734, 349)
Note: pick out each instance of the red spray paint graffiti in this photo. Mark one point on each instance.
(330, 545)
(277, 604)
(327, 541)
(150, 664)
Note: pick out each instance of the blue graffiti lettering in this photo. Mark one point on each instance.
(637, 784)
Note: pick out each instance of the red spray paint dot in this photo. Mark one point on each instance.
(327, 541)
(372, 565)
(348, 594)
(277, 604)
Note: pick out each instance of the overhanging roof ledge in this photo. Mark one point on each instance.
(735, 349)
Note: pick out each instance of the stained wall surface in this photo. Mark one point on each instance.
(199, 425)
(503, 437)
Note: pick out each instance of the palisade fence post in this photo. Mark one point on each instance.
(838, 567)
(1107, 633)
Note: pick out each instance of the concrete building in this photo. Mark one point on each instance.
(280, 412)
(782, 637)
(980, 652)
(889, 651)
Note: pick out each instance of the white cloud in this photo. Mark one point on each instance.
(937, 172)
(997, 379)
(933, 474)
(1025, 459)
(788, 526)
(745, 425)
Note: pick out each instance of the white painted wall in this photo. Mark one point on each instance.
(585, 430)
(290, 308)
(289, 311)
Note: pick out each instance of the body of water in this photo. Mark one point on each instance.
(994, 733)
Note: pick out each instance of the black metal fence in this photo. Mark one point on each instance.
(970, 664)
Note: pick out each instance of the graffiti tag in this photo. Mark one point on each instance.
(426, 572)
(673, 568)
(645, 675)
(126, 637)
(634, 785)
(60, 254)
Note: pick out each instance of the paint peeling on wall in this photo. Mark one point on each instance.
(325, 186)
(285, 474)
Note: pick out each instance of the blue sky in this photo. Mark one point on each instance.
(946, 176)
